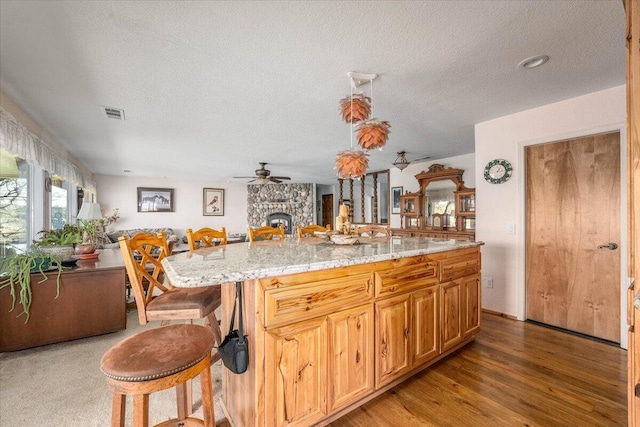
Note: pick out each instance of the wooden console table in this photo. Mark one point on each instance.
(91, 302)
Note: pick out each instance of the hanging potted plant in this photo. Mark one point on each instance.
(18, 272)
(60, 242)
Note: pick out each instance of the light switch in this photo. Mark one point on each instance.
(511, 229)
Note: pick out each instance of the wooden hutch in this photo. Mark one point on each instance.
(442, 208)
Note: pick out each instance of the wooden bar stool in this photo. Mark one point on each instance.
(155, 360)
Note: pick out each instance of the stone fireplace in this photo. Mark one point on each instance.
(295, 201)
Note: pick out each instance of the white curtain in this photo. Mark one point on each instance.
(17, 140)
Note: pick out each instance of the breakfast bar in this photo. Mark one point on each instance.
(332, 326)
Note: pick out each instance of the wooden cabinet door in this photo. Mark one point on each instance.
(393, 316)
(425, 325)
(350, 350)
(472, 305)
(296, 373)
(450, 315)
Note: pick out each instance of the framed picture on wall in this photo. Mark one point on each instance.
(396, 192)
(155, 199)
(213, 202)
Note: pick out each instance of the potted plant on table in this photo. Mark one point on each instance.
(89, 231)
(60, 242)
(18, 270)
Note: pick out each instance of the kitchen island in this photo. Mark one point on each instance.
(332, 326)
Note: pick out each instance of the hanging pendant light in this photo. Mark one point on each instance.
(355, 108)
(352, 164)
(373, 134)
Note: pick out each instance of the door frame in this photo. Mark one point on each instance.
(521, 224)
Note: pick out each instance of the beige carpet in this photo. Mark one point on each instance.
(62, 385)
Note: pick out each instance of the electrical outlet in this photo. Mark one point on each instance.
(489, 282)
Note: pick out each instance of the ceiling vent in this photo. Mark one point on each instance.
(114, 113)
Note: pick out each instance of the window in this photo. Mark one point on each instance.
(15, 220)
(59, 204)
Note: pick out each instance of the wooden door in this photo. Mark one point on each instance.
(350, 361)
(450, 315)
(573, 212)
(393, 359)
(425, 325)
(296, 373)
(327, 210)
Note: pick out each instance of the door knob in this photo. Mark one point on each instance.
(610, 246)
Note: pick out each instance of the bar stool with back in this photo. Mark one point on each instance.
(265, 233)
(142, 255)
(310, 230)
(206, 237)
(373, 230)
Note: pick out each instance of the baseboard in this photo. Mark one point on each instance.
(497, 313)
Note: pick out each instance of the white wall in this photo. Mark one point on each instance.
(498, 205)
(121, 192)
(407, 177)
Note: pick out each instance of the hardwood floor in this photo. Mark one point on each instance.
(513, 374)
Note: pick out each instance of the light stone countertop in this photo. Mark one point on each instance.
(258, 260)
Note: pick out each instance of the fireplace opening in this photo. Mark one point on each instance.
(280, 219)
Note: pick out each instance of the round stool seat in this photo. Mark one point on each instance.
(157, 353)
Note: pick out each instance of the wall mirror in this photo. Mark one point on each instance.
(438, 185)
(439, 199)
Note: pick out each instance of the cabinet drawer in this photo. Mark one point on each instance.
(405, 278)
(456, 267)
(305, 301)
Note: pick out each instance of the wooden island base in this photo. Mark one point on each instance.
(325, 342)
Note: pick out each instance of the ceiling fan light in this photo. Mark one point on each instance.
(262, 180)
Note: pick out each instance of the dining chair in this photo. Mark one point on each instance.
(310, 230)
(372, 230)
(265, 233)
(206, 237)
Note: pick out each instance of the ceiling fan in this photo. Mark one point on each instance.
(402, 162)
(263, 176)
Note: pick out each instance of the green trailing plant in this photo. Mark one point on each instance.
(67, 235)
(18, 268)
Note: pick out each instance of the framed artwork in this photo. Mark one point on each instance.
(212, 202)
(395, 198)
(155, 199)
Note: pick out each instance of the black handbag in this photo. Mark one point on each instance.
(235, 347)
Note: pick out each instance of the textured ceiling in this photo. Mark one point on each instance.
(210, 89)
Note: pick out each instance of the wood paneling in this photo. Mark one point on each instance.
(296, 373)
(513, 374)
(573, 206)
(393, 317)
(350, 344)
(633, 197)
(426, 325)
